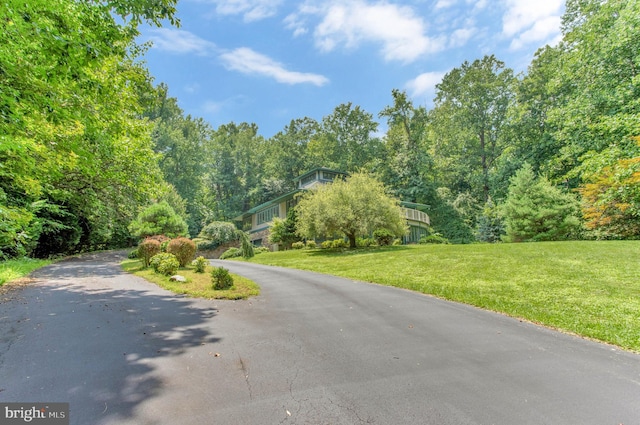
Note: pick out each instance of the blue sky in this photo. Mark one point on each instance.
(271, 61)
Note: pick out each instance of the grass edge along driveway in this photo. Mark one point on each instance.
(590, 288)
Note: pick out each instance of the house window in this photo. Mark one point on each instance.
(329, 175)
(267, 215)
(308, 179)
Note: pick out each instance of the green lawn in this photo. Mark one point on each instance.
(588, 288)
(15, 269)
(197, 284)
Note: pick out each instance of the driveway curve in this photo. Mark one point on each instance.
(311, 349)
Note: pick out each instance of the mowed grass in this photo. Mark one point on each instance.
(16, 269)
(197, 285)
(590, 288)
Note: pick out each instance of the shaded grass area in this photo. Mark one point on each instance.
(590, 288)
(197, 285)
(16, 269)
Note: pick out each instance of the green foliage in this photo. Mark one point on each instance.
(284, 231)
(326, 244)
(446, 220)
(246, 246)
(147, 249)
(165, 263)
(297, 245)
(365, 242)
(261, 250)
(436, 238)
(339, 243)
(158, 219)
(231, 253)
(218, 233)
(490, 227)
(535, 210)
(354, 207)
(383, 237)
(200, 264)
(134, 254)
(221, 279)
(311, 244)
(183, 248)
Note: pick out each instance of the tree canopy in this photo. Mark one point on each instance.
(87, 141)
(352, 208)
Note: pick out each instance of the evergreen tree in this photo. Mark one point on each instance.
(535, 210)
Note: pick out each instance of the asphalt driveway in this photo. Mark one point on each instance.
(312, 349)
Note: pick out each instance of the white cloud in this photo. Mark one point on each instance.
(252, 10)
(539, 32)
(443, 4)
(179, 41)
(460, 36)
(399, 31)
(425, 84)
(528, 21)
(248, 61)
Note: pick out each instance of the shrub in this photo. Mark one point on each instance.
(326, 244)
(200, 263)
(311, 244)
(147, 249)
(365, 242)
(383, 237)
(261, 249)
(165, 263)
(436, 238)
(221, 278)
(158, 219)
(339, 243)
(218, 233)
(184, 249)
(297, 245)
(246, 247)
(231, 253)
(133, 254)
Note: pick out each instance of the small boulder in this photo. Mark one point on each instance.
(178, 278)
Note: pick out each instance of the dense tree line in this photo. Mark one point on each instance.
(79, 158)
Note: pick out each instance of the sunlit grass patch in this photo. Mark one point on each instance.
(197, 285)
(16, 269)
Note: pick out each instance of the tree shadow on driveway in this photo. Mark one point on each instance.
(91, 335)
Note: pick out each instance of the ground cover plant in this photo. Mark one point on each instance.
(18, 268)
(590, 288)
(197, 285)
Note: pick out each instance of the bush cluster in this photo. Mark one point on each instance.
(231, 253)
(147, 249)
(221, 279)
(297, 245)
(336, 243)
(365, 242)
(311, 244)
(165, 263)
(183, 248)
(261, 249)
(383, 237)
(436, 238)
(200, 264)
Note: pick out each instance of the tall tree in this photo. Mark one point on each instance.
(468, 119)
(406, 165)
(70, 102)
(345, 141)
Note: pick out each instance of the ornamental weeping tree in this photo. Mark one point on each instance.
(354, 207)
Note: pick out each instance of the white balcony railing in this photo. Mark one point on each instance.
(416, 215)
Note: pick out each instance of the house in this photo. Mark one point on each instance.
(257, 220)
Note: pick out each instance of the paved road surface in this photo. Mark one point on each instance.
(312, 349)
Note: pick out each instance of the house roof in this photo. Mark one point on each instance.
(308, 173)
(269, 203)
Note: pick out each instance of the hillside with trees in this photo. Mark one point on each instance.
(552, 153)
